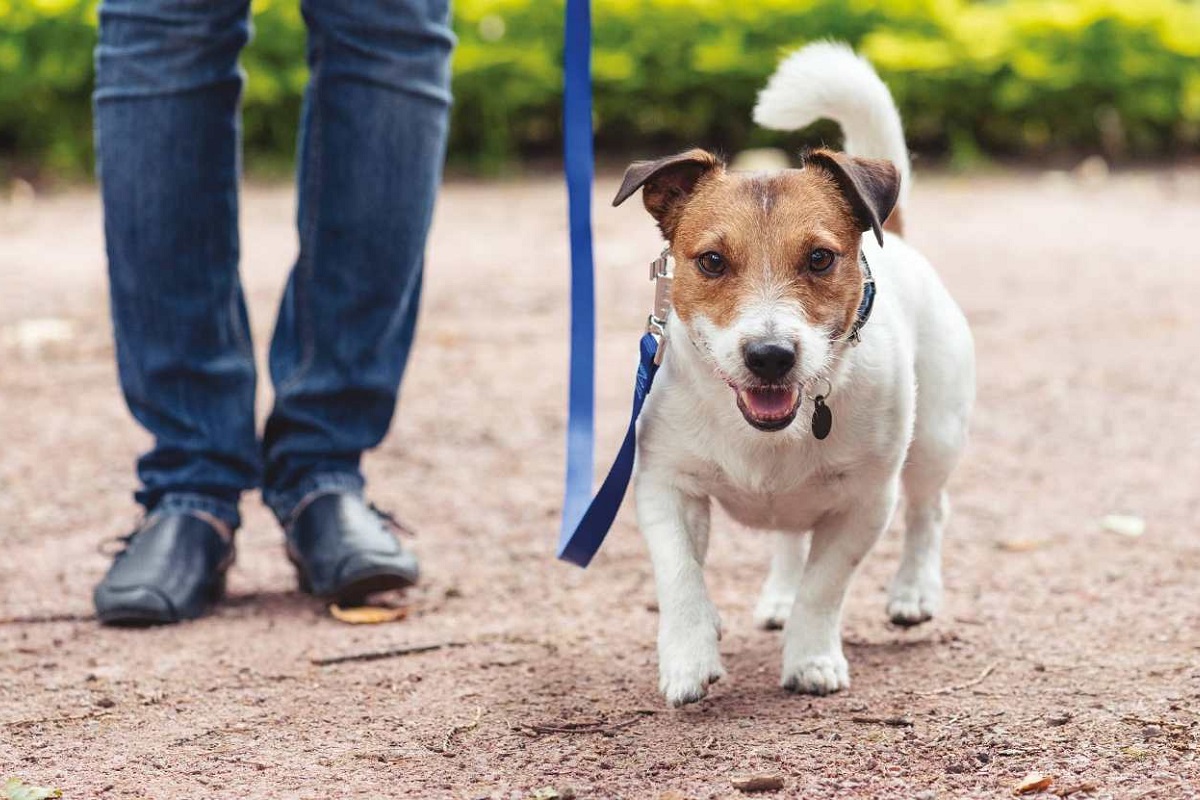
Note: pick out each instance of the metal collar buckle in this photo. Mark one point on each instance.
(656, 323)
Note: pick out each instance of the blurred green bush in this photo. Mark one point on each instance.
(1006, 77)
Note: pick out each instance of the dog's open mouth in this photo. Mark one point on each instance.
(769, 408)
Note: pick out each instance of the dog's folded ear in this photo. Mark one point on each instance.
(870, 185)
(667, 182)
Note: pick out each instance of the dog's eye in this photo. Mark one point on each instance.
(821, 259)
(711, 264)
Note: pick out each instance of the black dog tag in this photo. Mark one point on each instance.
(822, 421)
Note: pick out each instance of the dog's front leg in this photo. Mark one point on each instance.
(676, 529)
(812, 653)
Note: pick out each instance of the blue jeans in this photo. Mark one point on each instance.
(372, 141)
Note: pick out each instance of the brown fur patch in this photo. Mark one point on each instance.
(766, 227)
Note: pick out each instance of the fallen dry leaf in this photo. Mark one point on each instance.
(550, 793)
(15, 790)
(1020, 545)
(367, 615)
(672, 794)
(758, 783)
(1033, 782)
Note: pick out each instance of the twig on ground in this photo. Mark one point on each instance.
(550, 647)
(260, 766)
(891, 722)
(25, 723)
(379, 655)
(1162, 723)
(1076, 788)
(409, 650)
(585, 726)
(983, 676)
(448, 739)
(39, 619)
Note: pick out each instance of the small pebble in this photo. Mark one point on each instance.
(758, 783)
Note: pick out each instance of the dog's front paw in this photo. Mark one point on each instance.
(684, 683)
(913, 601)
(820, 674)
(689, 662)
(773, 609)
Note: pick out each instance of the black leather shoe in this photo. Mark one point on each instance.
(345, 549)
(172, 568)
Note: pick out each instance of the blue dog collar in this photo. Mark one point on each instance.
(867, 303)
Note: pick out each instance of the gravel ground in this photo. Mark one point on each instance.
(1064, 648)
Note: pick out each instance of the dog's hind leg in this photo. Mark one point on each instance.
(789, 553)
(915, 594)
(945, 395)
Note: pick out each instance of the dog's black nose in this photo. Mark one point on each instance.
(769, 360)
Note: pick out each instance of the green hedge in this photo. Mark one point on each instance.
(1010, 77)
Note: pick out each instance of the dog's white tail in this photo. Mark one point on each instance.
(827, 80)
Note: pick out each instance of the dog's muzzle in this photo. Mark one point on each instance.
(769, 404)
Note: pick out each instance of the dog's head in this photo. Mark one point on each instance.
(767, 273)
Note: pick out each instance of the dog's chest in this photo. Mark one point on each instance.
(780, 491)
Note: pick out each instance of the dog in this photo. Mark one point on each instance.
(793, 294)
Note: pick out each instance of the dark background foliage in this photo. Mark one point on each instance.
(973, 77)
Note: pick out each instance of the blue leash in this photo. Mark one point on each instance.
(582, 537)
(586, 520)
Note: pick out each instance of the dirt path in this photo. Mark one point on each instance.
(1071, 650)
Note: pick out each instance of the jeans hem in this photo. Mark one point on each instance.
(182, 502)
(286, 505)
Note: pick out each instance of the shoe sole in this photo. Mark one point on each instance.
(359, 587)
(134, 618)
(356, 588)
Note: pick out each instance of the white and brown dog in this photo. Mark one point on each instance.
(772, 285)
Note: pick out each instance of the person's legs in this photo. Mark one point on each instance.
(370, 157)
(167, 91)
(166, 100)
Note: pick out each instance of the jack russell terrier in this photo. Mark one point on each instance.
(813, 374)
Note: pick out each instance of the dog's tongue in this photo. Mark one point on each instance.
(770, 403)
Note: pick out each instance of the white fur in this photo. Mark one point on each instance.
(695, 446)
(827, 80)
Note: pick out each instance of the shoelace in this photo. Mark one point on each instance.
(390, 518)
